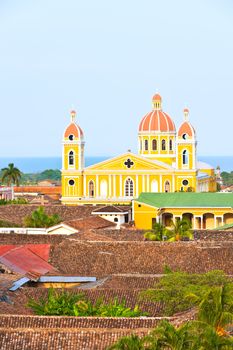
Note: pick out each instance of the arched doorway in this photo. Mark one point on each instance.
(188, 217)
(154, 186)
(166, 219)
(103, 189)
(208, 221)
(228, 218)
(167, 186)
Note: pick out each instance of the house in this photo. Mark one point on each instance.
(117, 214)
(204, 210)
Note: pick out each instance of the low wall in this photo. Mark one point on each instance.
(212, 235)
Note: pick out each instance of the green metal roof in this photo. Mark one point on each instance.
(187, 199)
(224, 227)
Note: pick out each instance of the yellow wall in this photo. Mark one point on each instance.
(143, 215)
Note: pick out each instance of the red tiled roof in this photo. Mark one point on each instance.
(111, 209)
(91, 222)
(157, 120)
(25, 259)
(186, 128)
(73, 129)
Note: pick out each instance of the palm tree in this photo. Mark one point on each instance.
(169, 337)
(180, 229)
(158, 232)
(11, 175)
(216, 309)
(132, 342)
(214, 317)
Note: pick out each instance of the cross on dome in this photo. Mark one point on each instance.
(73, 115)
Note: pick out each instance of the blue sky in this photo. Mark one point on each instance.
(107, 59)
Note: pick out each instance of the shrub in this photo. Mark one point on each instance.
(180, 291)
(69, 304)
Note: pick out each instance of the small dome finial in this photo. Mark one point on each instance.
(157, 101)
(186, 114)
(73, 115)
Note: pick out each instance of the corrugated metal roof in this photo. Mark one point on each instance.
(26, 259)
(66, 279)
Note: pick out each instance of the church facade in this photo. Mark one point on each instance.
(166, 162)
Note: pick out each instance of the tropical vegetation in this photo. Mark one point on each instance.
(70, 304)
(11, 175)
(227, 178)
(177, 230)
(210, 330)
(13, 201)
(38, 218)
(180, 291)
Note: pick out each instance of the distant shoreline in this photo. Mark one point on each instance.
(39, 164)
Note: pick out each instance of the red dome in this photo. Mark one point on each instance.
(157, 97)
(157, 120)
(186, 128)
(74, 129)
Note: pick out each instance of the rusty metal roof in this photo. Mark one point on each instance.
(30, 259)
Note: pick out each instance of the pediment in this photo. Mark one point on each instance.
(129, 161)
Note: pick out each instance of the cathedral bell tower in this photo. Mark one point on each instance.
(72, 159)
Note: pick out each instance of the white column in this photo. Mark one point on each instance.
(160, 184)
(120, 179)
(84, 186)
(147, 183)
(201, 222)
(97, 186)
(109, 186)
(143, 183)
(136, 185)
(114, 185)
(173, 183)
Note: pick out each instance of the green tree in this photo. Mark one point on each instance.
(166, 336)
(179, 291)
(158, 232)
(180, 229)
(11, 175)
(132, 342)
(39, 218)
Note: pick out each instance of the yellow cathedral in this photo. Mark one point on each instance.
(166, 162)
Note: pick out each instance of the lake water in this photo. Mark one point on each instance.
(38, 164)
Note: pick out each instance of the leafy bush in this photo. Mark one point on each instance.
(13, 201)
(209, 331)
(69, 304)
(180, 291)
(39, 218)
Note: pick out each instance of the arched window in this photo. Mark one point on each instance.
(129, 188)
(185, 157)
(163, 145)
(91, 189)
(167, 186)
(170, 145)
(71, 158)
(154, 145)
(146, 145)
